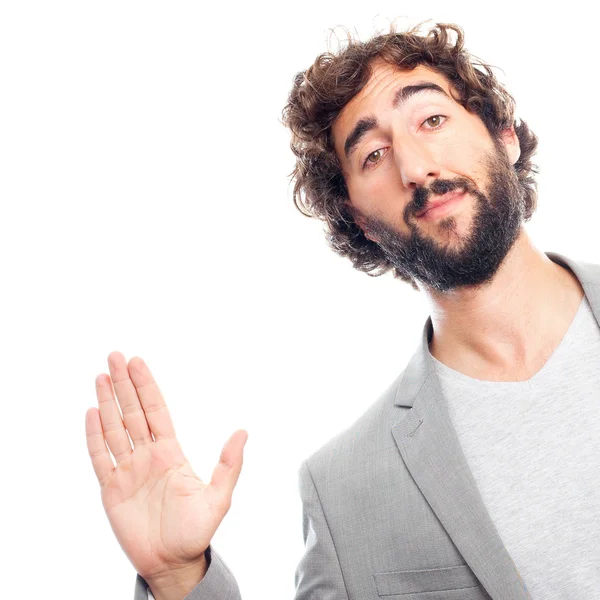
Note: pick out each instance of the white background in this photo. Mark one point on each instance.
(146, 208)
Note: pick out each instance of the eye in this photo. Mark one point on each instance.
(374, 158)
(434, 122)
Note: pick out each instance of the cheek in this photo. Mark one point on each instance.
(381, 193)
(468, 160)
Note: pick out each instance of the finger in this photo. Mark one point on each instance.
(101, 460)
(227, 471)
(112, 424)
(133, 414)
(152, 401)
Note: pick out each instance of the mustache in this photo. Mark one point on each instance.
(439, 187)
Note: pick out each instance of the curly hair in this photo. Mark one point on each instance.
(320, 93)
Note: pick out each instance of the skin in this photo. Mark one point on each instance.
(505, 330)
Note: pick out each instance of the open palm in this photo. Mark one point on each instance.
(161, 512)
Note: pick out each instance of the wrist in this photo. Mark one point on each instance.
(178, 583)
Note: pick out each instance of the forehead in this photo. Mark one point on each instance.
(377, 95)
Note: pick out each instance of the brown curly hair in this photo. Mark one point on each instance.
(321, 92)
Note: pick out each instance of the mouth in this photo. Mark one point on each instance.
(440, 205)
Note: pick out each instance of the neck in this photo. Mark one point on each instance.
(507, 329)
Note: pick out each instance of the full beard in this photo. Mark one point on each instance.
(496, 224)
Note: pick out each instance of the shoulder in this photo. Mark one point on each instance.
(586, 272)
(371, 433)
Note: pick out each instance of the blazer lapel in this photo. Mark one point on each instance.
(430, 448)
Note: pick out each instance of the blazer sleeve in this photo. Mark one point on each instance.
(218, 583)
(318, 576)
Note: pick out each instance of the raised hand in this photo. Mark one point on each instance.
(163, 514)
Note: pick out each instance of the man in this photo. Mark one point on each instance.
(474, 476)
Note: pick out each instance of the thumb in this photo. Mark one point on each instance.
(227, 471)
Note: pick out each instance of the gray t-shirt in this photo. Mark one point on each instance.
(534, 449)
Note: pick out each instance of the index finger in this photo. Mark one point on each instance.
(151, 399)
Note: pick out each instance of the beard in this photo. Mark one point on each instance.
(496, 224)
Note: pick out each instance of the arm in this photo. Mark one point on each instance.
(318, 575)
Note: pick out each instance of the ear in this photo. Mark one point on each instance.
(511, 142)
(370, 236)
(361, 222)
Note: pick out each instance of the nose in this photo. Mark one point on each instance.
(415, 164)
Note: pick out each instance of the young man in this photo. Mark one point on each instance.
(475, 475)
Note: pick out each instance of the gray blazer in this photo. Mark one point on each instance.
(391, 509)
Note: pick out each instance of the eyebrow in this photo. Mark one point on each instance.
(363, 126)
